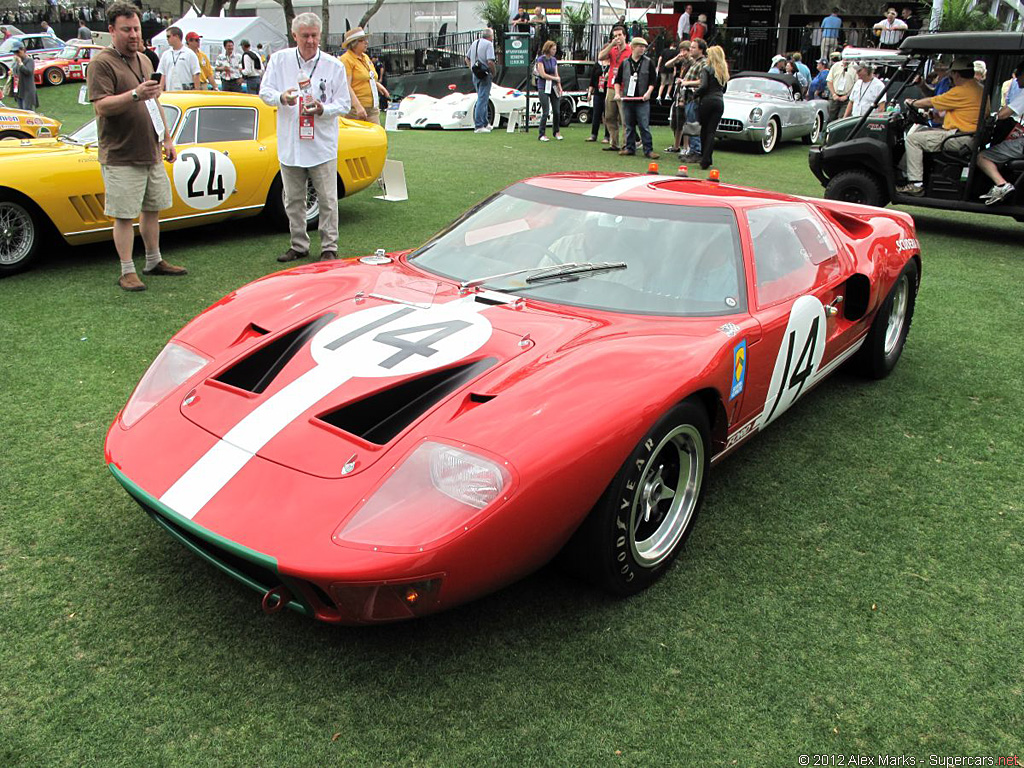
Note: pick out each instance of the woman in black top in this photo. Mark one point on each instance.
(712, 85)
(596, 87)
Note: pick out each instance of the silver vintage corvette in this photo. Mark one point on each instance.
(768, 108)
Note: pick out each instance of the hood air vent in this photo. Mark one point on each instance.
(381, 417)
(255, 372)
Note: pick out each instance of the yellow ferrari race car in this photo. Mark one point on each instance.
(227, 168)
(22, 124)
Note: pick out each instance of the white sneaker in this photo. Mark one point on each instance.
(998, 193)
(481, 130)
(544, 138)
(559, 137)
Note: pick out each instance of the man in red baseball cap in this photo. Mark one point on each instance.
(205, 69)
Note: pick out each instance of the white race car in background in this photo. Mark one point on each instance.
(455, 111)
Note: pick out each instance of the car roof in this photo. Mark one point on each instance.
(789, 80)
(655, 188)
(965, 42)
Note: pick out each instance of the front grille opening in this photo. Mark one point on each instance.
(255, 372)
(379, 418)
(730, 125)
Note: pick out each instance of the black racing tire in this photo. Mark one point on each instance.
(640, 523)
(888, 335)
(857, 186)
(14, 135)
(816, 129)
(21, 231)
(565, 112)
(4, 71)
(490, 112)
(772, 135)
(275, 206)
(583, 116)
(53, 76)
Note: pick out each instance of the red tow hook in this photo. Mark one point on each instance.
(276, 599)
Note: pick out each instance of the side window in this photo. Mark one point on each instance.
(187, 135)
(793, 254)
(33, 43)
(226, 124)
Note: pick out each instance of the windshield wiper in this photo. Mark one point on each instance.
(571, 270)
(545, 273)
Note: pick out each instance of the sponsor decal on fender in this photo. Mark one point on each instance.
(739, 369)
(907, 244)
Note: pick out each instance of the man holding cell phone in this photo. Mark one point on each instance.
(310, 89)
(132, 130)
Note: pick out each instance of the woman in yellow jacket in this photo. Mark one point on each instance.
(362, 77)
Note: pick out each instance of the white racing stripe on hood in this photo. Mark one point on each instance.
(204, 479)
(621, 186)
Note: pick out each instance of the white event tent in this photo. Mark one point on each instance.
(216, 29)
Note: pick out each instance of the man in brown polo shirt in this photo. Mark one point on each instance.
(128, 119)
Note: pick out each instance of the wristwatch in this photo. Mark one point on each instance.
(135, 95)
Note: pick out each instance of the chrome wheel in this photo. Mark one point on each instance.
(897, 315)
(17, 234)
(816, 130)
(666, 495)
(771, 136)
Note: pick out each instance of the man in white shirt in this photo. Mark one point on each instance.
(178, 65)
(842, 76)
(890, 30)
(865, 91)
(1007, 150)
(307, 131)
(229, 65)
(683, 28)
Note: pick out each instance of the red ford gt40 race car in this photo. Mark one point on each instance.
(557, 371)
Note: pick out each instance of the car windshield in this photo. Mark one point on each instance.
(680, 260)
(69, 52)
(757, 85)
(87, 133)
(7, 46)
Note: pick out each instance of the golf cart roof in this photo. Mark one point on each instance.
(876, 57)
(965, 42)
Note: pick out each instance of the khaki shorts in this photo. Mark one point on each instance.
(372, 115)
(132, 189)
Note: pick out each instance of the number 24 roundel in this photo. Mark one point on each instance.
(204, 178)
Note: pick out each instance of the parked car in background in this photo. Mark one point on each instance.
(69, 64)
(227, 168)
(769, 108)
(22, 124)
(39, 46)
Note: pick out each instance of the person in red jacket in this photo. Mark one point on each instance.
(700, 29)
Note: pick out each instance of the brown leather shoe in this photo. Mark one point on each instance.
(291, 255)
(163, 268)
(610, 148)
(328, 255)
(131, 282)
(651, 155)
(626, 152)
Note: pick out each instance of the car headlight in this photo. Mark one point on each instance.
(459, 115)
(756, 114)
(173, 366)
(438, 490)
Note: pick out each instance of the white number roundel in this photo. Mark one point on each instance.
(796, 367)
(397, 340)
(204, 178)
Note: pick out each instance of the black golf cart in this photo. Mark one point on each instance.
(858, 161)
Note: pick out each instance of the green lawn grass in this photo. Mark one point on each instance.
(854, 584)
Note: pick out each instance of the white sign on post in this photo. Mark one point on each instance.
(391, 118)
(392, 182)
